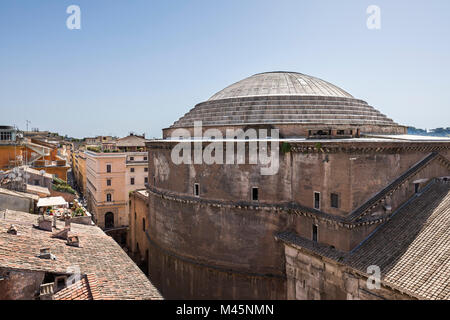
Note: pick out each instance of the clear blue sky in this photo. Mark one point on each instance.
(140, 65)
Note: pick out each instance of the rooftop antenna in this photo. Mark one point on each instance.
(26, 151)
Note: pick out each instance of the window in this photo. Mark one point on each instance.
(145, 169)
(145, 158)
(108, 182)
(255, 194)
(109, 197)
(132, 181)
(196, 189)
(36, 182)
(334, 200)
(143, 224)
(416, 187)
(314, 233)
(109, 220)
(131, 169)
(108, 168)
(340, 132)
(60, 282)
(146, 180)
(135, 215)
(316, 200)
(5, 136)
(131, 158)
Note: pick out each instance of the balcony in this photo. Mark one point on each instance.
(49, 163)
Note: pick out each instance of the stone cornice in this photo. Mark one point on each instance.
(288, 208)
(352, 146)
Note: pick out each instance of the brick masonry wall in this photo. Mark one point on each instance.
(313, 277)
(194, 240)
(19, 285)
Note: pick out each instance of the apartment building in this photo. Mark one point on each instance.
(105, 188)
(15, 150)
(79, 170)
(110, 178)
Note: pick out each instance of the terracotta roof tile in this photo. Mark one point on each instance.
(106, 268)
(413, 248)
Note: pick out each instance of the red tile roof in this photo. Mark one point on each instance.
(107, 271)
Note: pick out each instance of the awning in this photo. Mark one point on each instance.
(52, 201)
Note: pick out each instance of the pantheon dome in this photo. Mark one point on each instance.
(295, 103)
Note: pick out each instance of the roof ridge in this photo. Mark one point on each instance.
(384, 192)
(93, 286)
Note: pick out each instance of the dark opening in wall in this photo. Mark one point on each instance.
(334, 200)
(317, 200)
(255, 196)
(196, 189)
(314, 233)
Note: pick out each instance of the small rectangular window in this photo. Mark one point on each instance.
(131, 158)
(255, 194)
(145, 169)
(196, 189)
(132, 181)
(145, 158)
(108, 182)
(108, 197)
(143, 224)
(416, 187)
(334, 200)
(131, 169)
(314, 233)
(108, 168)
(146, 180)
(317, 200)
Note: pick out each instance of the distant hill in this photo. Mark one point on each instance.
(438, 132)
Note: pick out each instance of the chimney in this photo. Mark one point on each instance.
(73, 241)
(44, 253)
(67, 223)
(44, 224)
(61, 234)
(12, 230)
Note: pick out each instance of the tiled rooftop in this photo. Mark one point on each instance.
(99, 257)
(84, 289)
(412, 249)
